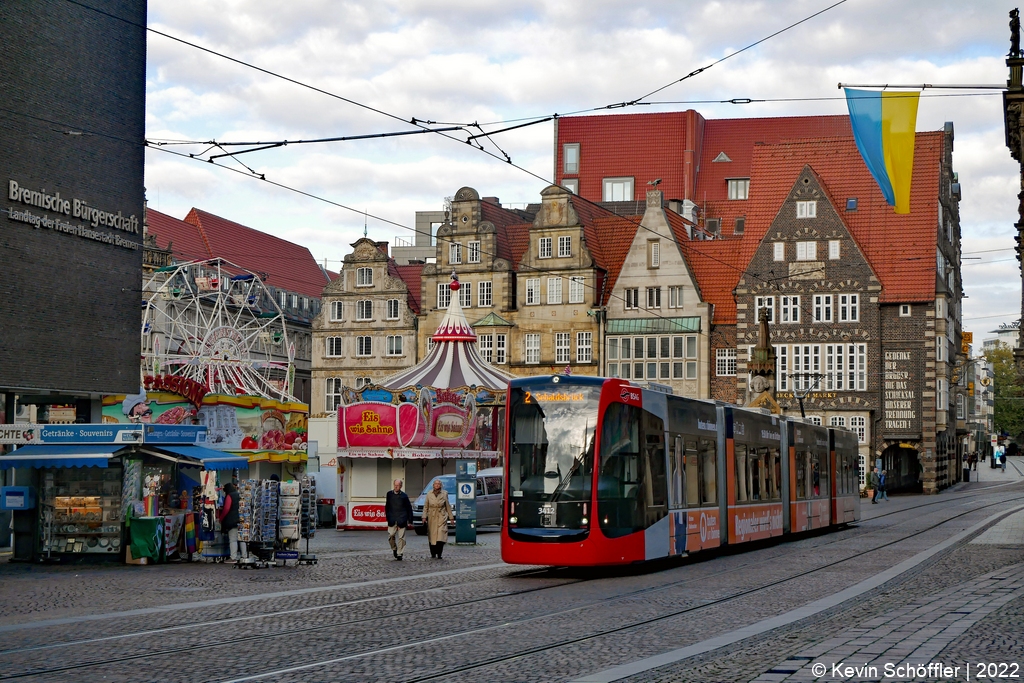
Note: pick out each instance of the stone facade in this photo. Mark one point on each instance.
(558, 292)
(657, 329)
(365, 330)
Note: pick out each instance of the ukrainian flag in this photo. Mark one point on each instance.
(884, 129)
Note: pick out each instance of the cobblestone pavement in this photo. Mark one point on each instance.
(468, 618)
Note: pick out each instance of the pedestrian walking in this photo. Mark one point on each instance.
(1002, 462)
(437, 512)
(229, 519)
(876, 482)
(883, 494)
(974, 460)
(398, 511)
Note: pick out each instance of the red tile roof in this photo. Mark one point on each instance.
(717, 266)
(288, 265)
(185, 239)
(899, 247)
(508, 226)
(411, 276)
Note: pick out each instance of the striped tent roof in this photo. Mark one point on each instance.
(454, 361)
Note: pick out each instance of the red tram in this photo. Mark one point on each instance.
(600, 471)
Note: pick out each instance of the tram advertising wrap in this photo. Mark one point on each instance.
(600, 472)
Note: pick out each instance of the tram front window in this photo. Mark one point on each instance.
(551, 463)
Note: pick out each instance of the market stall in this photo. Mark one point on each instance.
(416, 423)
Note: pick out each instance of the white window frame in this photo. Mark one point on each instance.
(764, 302)
(531, 348)
(334, 347)
(822, 308)
(725, 362)
(807, 209)
(455, 253)
(294, 300)
(466, 294)
(533, 291)
(833, 250)
(859, 424)
(554, 290)
(574, 165)
(779, 251)
(474, 252)
(544, 247)
(393, 309)
(807, 251)
(960, 407)
(394, 345)
(577, 289)
(653, 297)
(562, 341)
(789, 308)
(653, 254)
(571, 184)
(739, 188)
(941, 348)
(564, 246)
(483, 294)
(337, 311)
(363, 382)
(675, 296)
(837, 421)
(364, 346)
(631, 298)
(942, 394)
(584, 347)
(849, 308)
(364, 310)
(485, 344)
(500, 349)
(364, 277)
(905, 310)
(332, 394)
(444, 295)
(619, 189)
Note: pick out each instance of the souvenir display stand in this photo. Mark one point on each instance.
(288, 522)
(80, 511)
(307, 516)
(257, 521)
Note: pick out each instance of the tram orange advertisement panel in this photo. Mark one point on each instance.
(703, 529)
(754, 522)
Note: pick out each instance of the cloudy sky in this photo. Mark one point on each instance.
(491, 61)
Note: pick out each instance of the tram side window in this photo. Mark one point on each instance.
(821, 478)
(678, 477)
(801, 475)
(653, 498)
(709, 470)
(632, 487)
(741, 473)
(755, 469)
(692, 479)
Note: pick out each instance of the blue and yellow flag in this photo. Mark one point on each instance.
(884, 129)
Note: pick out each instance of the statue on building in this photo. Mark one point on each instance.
(761, 366)
(1014, 33)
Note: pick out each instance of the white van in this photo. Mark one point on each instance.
(489, 485)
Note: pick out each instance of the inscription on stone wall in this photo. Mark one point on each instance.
(900, 397)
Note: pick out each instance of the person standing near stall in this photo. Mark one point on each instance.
(229, 519)
(437, 511)
(398, 511)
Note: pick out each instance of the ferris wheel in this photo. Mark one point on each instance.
(217, 324)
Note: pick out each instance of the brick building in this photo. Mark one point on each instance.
(800, 228)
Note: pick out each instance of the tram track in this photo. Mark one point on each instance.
(79, 666)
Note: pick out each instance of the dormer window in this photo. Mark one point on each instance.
(739, 188)
(364, 277)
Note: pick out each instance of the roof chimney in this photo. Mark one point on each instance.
(492, 200)
(383, 246)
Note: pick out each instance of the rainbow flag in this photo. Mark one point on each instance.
(884, 129)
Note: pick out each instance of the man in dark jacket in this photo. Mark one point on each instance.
(229, 519)
(398, 510)
(876, 483)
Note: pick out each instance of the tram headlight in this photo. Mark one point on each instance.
(513, 520)
(584, 521)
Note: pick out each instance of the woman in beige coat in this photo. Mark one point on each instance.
(436, 513)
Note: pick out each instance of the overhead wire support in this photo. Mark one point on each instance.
(925, 86)
(345, 138)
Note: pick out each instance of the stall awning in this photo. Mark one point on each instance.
(60, 456)
(211, 459)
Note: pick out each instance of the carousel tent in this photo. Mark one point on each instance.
(454, 361)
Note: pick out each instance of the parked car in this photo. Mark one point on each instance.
(488, 498)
